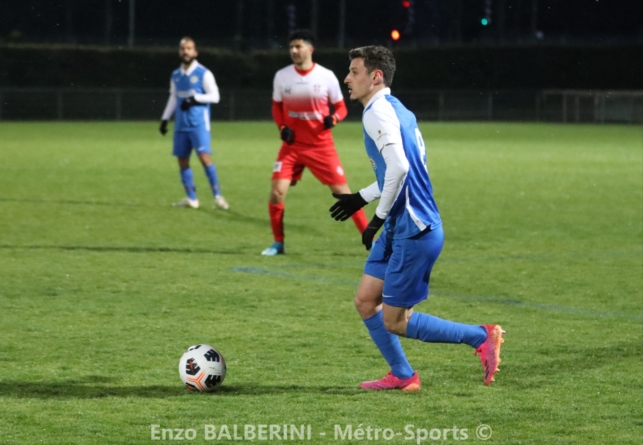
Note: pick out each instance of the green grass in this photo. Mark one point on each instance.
(103, 285)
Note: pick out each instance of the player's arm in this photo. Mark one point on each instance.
(349, 203)
(211, 95)
(382, 125)
(285, 132)
(169, 109)
(278, 113)
(371, 193)
(336, 98)
(211, 89)
(397, 166)
(340, 113)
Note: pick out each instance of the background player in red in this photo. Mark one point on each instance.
(301, 98)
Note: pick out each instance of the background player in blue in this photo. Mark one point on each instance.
(397, 271)
(192, 90)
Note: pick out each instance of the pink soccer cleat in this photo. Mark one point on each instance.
(391, 382)
(489, 351)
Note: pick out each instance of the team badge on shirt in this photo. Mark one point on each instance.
(373, 163)
(194, 79)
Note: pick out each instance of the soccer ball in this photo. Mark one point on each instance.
(202, 368)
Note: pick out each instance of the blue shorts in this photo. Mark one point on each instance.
(405, 266)
(185, 141)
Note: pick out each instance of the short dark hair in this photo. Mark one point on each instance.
(188, 39)
(302, 34)
(376, 58)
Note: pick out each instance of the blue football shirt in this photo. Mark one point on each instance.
(386, 121)
(189, 84)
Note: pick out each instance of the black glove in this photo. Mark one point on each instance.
(371, 230)
(330, 121)
(346, 206)
(189, 102)
(287, 135)
(163, 127)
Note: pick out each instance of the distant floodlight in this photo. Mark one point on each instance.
(395, 34)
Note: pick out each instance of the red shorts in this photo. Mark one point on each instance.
(323, 162)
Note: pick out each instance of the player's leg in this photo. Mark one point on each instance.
(407, 284)
(210, 172)
(201, 144)
(182, 150)
(283, 172)
(430, 329)
(368, 302)
(276, 208)
(486, 339)
(324, 164)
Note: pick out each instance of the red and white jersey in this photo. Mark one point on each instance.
(301, 100)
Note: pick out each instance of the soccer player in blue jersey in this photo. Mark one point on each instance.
(397, 271)
(192, 90)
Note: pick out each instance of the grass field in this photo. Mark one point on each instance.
(103, 285)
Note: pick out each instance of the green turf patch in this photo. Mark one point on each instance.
(103, 285)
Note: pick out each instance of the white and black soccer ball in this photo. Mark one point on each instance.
(202, 368)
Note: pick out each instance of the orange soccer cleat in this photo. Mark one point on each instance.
(389, 381)
(489, 351)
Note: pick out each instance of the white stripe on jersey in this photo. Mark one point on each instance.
(206, 118)
(418, 222)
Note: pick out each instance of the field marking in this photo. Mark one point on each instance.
(496, 300)
(72, 202)
(355, 283)
(356, 263)
(545, 257)
(131, 249)
(260, 271)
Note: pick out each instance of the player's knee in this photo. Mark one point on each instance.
(365, 307)
(277, 196)
(397, 327)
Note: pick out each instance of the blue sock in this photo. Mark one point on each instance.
(390, 347)
(211, 173)
(436, 330)
(187, 178)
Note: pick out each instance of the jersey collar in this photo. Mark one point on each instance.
(380, 93)
(191, 68)
(303, 73)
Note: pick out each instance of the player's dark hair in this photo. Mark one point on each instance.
(376, 58)
(302, 34)
(188, 39)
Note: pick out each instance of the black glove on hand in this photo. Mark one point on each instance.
(189, 102)
(287, 135)
(330, 121)
(163, 127)
(371, 230)
(346, 206)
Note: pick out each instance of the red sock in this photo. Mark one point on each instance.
(277, 220)
(359, 218)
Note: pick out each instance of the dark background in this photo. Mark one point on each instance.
(246, 24)
(526, 44)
